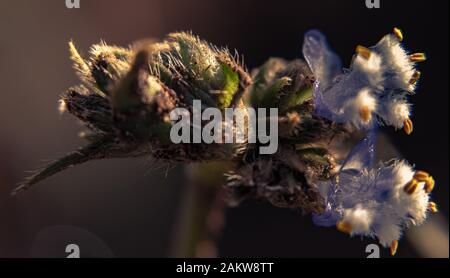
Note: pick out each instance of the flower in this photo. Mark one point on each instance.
(373, 91)
(376, 201)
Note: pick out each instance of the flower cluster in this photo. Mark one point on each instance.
(362, 199)
(376, 201)
(373, 90)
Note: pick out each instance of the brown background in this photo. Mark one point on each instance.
(123, 208)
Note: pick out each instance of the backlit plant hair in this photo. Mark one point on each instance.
(127, 94)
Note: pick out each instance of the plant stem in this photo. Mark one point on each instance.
(201, 213)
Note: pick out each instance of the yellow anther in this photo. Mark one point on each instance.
(415, 77)
(411, 187)
(429, 185)
(433, 207)
(363, 51)
(398, 33)
(421, 176)
(394, 247)
(365, 114)
(344, 226)
(417, 57)
(408, 126)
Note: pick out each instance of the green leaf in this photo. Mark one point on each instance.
(270, 96)
(230, 86)
(313, 154)
(296, 99)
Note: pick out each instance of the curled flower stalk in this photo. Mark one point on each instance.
(128, 94)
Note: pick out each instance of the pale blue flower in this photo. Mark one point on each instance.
(376, 201)
(372, 91)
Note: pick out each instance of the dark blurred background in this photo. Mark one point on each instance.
(124, 208)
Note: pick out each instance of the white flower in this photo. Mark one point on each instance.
(360, 108)
(396, 112)
(376, 201)
(374, 89)
(397, 63)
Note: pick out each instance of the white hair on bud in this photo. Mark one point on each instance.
(397, 62)
(191, 51)
(373, 64)
(104, 49)
(395, 112)
(414, 205)
(371, 69)
(365, 98)
(403, 172)
(387, 231)
(351, 109)
(360, 218)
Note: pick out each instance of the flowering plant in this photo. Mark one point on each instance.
(128, 94)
